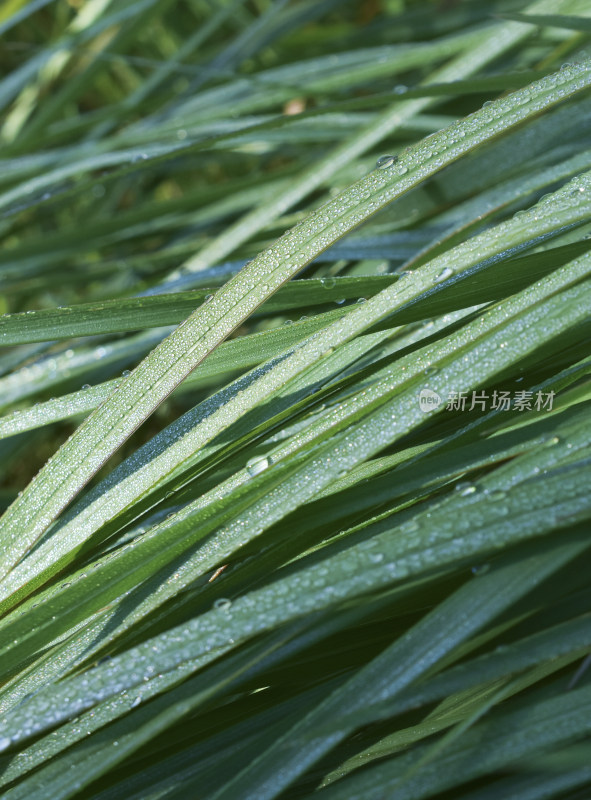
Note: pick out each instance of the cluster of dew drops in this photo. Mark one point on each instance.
(386, 161)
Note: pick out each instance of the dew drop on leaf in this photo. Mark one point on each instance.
(444, 275)
(465, 488)
(386, 161)
(257, 465)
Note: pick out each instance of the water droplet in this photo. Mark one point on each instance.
(257, 465)
(86, 386)
(361, 300)
(126, 373)
(340, 302)
(4, 743)
(465, 488)
(480, 570)
(431, 371)
(400, 89)
(328, 282)
(444, 275)
(207, 298)
(386, 161)
(136, 702)
(222, 604)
